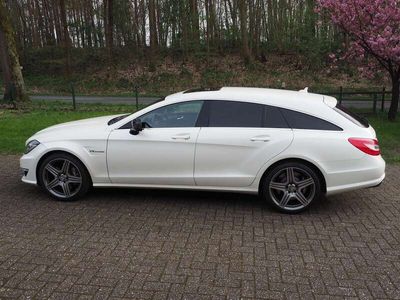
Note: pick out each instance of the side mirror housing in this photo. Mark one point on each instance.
(137, 126)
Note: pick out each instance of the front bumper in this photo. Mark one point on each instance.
(28, 164)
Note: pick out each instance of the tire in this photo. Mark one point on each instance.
(291, 187)
(64, 177)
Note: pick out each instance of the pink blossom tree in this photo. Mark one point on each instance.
(373, 27)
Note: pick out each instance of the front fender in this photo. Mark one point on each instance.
(92, 156)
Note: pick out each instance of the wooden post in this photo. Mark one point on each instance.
(136, 91)
(341, 95)
(73, 96)
(383, 100)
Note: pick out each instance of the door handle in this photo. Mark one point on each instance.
(261, 138)
(181, 137)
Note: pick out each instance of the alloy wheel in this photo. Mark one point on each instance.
(62, 178)
(292, 188)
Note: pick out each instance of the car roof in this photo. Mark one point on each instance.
(301, 100)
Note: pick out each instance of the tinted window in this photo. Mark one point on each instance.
(183, 114)
(299, 120)
(273, 118)
(353, 117)
(235, 114)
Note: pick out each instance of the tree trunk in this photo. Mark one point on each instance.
(66, 39)
(153, 26)
(17, 82)
(194, 12)
(5, 68)
(108, 18)
(394, 105)
(243, 30)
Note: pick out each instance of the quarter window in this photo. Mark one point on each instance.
(183, 114)
(297, 120)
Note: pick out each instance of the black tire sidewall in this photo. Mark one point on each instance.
(86, 181)
(266, 180)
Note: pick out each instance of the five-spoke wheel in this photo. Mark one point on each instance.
(291, 187)
(63, 176)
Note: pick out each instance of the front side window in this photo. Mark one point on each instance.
(235, 114)
(183, 114)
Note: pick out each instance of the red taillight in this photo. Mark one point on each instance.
(369, 146)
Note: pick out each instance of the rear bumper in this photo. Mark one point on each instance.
(355, 186)
(351, 175)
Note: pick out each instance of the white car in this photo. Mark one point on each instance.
(289, 147)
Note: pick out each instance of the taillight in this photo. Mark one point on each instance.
(369, 146)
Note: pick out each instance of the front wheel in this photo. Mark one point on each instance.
(291, 187)
(64, 177)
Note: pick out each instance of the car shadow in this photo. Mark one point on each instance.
(185, 198)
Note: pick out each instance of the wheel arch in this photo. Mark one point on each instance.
(298, 160)
(51, 152)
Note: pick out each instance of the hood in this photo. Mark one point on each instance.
(75, 129)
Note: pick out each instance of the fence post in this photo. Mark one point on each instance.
(383, 100)
(136, 91)
(341, 95)
(73, 96)
(374, 103)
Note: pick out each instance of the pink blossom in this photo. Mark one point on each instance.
(373, 27)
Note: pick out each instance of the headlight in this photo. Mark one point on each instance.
(31, 145)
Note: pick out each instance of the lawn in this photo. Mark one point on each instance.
(16, 126)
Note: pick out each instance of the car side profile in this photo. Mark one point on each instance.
(289, 147)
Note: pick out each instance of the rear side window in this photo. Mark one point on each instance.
(353, 117)
(297, 120)
(235, 114)
(273, 118)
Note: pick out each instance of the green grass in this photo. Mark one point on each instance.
(388, 134)
(17, 126)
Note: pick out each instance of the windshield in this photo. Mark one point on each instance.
(119, 118)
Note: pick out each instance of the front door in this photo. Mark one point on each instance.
(162, 153)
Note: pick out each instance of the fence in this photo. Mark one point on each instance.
(374, 100)
(370, 101)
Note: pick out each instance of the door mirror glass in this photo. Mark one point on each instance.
(136, 127)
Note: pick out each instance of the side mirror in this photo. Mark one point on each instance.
(136, 127)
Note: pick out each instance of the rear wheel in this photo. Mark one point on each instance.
(64, 177)
(291, 187)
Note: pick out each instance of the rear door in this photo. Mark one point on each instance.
(236, 139)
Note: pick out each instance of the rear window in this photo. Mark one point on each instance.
(353, 117)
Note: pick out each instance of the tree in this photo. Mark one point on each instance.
(153, 26)
(373, 27)
(243, 31)
(109, 23)
(14, 82)
(66, 39)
